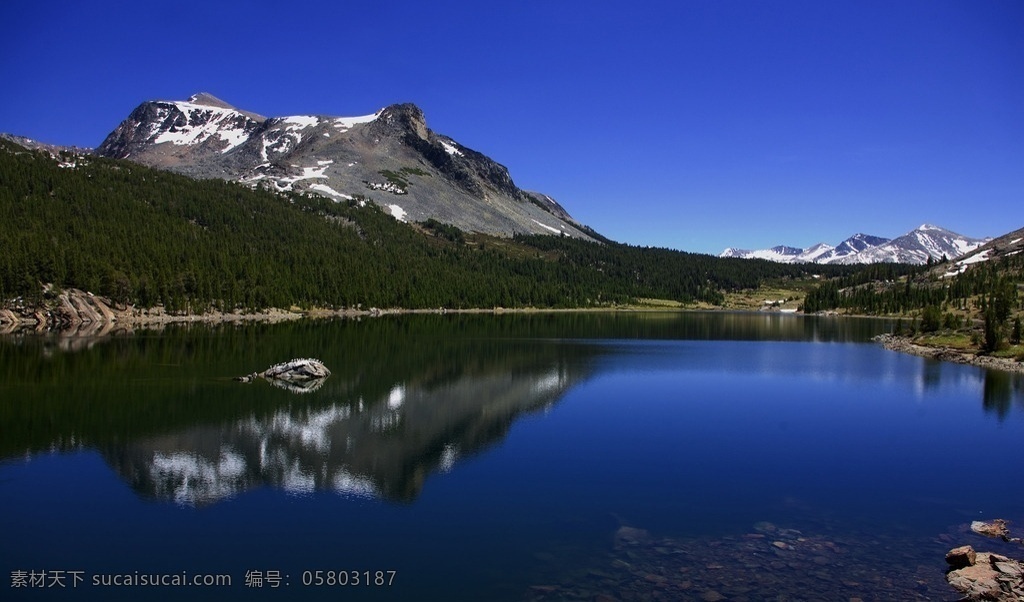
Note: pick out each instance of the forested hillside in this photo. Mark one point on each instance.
(980, 295)
(146, 237)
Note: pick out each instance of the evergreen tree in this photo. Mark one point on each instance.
(992, 335)
(931, 319)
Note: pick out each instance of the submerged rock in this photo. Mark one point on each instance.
(995, 528)
(631, 535)
(299, 369)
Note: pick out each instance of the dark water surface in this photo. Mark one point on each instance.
(512, 457)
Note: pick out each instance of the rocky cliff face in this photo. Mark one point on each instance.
(391, 157)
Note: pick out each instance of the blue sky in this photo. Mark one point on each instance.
(693, 124)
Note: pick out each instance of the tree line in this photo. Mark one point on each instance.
(988, 290)
(147, 237)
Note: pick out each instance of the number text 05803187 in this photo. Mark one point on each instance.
(352, 578)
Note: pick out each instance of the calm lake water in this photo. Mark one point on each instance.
(704, 456)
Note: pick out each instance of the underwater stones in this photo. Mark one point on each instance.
(631, 535)
(815, 565)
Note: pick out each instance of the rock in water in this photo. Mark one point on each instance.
(961, 557)
(298, 369)
(995, 528)
(990, 577)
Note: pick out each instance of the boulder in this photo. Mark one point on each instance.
(299, 369)
(995, 528)
(990, 577)
(961, 557)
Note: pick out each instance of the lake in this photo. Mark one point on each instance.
(569, 456)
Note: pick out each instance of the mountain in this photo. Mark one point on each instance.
(781, 254)
(52, 149)
(1003, 247)
(914, 247)
(390, 158)
(948, 294)
(819, 253)
(917, 246)
(140, 237)
(849, 248)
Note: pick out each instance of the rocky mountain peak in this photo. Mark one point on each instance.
(390, 158)
(209, 100)
(205, 99)
(405, 118)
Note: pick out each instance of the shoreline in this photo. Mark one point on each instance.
(948, 354)
(78, 314)
(75, 313)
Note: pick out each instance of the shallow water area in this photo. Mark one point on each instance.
(515, 457)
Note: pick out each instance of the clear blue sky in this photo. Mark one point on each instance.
(691, 124)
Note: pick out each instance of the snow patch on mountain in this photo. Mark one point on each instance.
(300, 122)
(398, 213)
(961, 266)
(450, 148)
(325, 189)
(201, 122)
(547, 227)
(346, 123)
(284, 183)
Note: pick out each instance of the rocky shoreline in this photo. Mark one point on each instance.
(947, 354)
(77, 313)
(986, 575)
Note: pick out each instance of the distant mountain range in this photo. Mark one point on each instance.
(390, 158)
(914, 247)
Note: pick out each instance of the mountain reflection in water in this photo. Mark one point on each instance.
(384, 446)
(408, 397)
(790, 449)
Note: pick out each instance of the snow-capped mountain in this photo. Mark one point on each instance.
(781, 254)
(918, 246)
(915, 247)
(389, 157)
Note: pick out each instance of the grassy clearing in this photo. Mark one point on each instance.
(1012, 351)
(661, 303)
(783, 297)
(954, 340)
